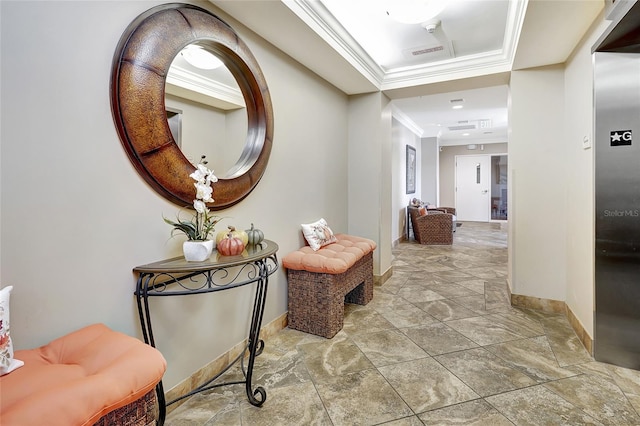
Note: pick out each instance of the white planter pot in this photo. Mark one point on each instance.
(197, 251)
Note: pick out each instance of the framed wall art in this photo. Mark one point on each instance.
(411, 169)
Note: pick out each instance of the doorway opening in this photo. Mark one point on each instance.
(481, 187)
(499, 187)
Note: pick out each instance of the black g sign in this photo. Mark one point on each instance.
(620, 137)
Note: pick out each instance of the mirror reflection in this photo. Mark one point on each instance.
(205, 109)
(140, 82)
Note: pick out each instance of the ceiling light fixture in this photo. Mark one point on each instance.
(200, 58)
(431, 26)
(414, 11)
(457, 103)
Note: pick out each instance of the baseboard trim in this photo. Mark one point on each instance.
(582, 334)
(555, 307)
(403, 239)
(381, 279)
(217, 365)
(538, 304)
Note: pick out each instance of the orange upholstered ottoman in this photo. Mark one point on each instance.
(83, 378)
(319, 283)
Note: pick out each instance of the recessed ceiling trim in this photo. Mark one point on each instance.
(470, 66)
(320, 20)
(515, 20)
(406, 121)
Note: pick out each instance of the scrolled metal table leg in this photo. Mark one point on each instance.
(258, 396)
(142, 297)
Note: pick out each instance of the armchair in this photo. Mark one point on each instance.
(450, 210)
(434, 226)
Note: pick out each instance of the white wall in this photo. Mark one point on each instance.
(218, 134)
(76, 217)
(538, 183)
(580, 218)
(370, 174)
(552, 232)
(429, 170)
(1, 85)
(401, 137)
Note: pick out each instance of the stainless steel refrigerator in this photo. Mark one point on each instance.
(617, 193)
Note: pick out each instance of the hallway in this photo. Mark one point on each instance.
(438, 345)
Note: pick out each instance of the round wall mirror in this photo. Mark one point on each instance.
(206, 110)
(145, 102)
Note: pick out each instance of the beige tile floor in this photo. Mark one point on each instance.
(439, 344)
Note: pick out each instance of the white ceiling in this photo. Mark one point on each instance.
(483, 118)
(354, 45)
(395, 45)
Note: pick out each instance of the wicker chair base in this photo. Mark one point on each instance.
(316, 300)
(435, 228)
(141, 412)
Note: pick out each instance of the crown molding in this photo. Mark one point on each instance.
(450, 69)
(190, 85)
(318, 18)
(404, 119)
(515, 21)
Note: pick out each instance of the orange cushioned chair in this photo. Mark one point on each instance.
(90, 376)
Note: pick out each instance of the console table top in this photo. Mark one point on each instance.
(250, 254)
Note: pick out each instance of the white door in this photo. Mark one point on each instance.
(472, 187)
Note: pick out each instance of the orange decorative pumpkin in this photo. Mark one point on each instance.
(233, 231)
(230, 245)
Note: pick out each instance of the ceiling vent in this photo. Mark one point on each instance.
(426, 50)
(462, 127)
(458, 101)
(429, 52)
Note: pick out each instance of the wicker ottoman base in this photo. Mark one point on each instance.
(316, 300)
(141, 412)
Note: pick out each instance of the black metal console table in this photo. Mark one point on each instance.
(177, 277)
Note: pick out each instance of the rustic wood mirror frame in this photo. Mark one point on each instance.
(140, 66)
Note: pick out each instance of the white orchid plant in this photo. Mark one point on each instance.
(203, 223)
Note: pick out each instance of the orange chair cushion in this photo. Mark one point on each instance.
(78, 378)
(334, 258)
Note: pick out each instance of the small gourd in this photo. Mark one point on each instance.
(230, 245)
(232, 230)
(255, 235)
